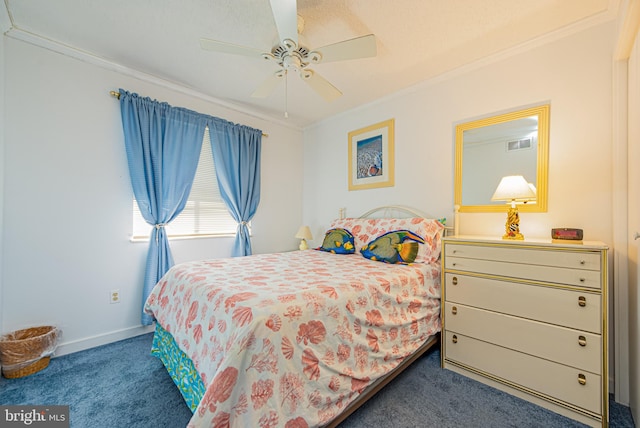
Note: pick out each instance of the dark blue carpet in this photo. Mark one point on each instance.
(122, 385)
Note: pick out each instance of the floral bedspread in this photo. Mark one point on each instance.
(290, 339)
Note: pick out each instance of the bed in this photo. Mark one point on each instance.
(301, 338)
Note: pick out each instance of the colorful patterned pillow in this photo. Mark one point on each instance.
(338, 241)
(395, 247)
(366, 229)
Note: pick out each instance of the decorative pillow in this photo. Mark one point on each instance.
(395, 247)
(338, 241)
(366, 229)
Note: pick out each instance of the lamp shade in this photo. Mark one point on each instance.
(513, 188)
(304, 233)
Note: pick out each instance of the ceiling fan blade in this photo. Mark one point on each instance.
(266, 88)
(285, 13)
(217, 46)
(360, 47)
(319, 84)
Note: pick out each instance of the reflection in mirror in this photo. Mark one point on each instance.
(488, 149)
(510, 148)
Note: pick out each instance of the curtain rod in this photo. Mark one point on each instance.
(116, 94)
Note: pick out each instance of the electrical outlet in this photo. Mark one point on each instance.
(114, 297)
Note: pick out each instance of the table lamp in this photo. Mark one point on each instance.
(515, 190)
(304, 233)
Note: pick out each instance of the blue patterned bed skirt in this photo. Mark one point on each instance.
(179, 366)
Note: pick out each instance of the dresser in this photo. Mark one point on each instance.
(529, 318)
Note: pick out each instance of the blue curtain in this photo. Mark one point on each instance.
(236, 155)
(163, 145)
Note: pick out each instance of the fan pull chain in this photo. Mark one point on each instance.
(286, 94)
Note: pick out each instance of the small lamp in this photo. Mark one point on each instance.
(514, 189)
(304, 233)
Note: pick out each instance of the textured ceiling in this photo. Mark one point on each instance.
(416, 41)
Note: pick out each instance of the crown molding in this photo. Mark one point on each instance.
(610, 14)
(5, 18)
(90, 58)
(628, 31)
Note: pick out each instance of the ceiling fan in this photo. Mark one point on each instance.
(291, 57)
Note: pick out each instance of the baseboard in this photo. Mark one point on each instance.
(102, 339)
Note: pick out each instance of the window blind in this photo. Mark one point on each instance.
(205, 213)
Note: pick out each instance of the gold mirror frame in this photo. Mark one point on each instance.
(542, 159)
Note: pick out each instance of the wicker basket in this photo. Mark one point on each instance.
(27, 351)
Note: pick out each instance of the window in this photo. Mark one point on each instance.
(205, 213)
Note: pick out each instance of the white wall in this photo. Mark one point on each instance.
(4, 26)
(634, 227)
(67, 196)
(573, 74)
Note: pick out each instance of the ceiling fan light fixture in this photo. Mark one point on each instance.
(314, 57)
(289, 44)
(289, 56)
(292, 62)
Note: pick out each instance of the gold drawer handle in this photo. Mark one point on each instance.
(582, 379)
(454, 310)
(582, 262)
(582, 279)
(454, 281)
(454, 338)
(453, 264)
(582, 341)
(582, 301)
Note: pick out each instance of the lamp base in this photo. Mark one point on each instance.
(303, 245)
(512, 227)
(513, 237)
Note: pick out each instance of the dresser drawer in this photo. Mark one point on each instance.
(571, 347)
(543, 376)
(546, 304)
(566, 259)
(551, 274)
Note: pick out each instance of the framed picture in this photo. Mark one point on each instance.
(371, 156)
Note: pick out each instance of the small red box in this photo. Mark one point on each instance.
(566, 233)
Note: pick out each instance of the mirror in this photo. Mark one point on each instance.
(514, 143)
